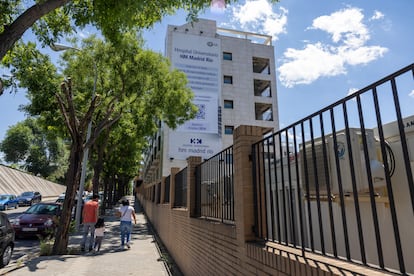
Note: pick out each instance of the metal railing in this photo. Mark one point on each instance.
(215, 187)
(180, 199)
(167, 189)
(340, 182)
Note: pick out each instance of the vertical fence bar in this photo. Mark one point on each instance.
(354, 187)
(276, 206)
(305, 168)
(270, 157)
(369, 178)
(317, 187)
(328, 187)
(389, 187)
(403, 140)
(198, 190)
(291, 157)
(299, 193)
(282, 179)
(340, 188)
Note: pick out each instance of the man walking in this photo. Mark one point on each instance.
(90, 215)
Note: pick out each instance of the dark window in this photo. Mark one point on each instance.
(228, 104)
(228, 79)
(227, 56)
(228, 130)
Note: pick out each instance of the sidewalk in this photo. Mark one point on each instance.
(142, 259)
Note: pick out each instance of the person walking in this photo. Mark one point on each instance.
(90, 215)
(126, 214)
(99, 234)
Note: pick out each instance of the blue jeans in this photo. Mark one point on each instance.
(126, 227)
(88, 227)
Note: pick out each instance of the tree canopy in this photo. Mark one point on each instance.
(40, 152)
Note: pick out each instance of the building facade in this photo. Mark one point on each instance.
(232, 74)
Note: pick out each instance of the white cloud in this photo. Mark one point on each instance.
(307, 65)
(345, 26)
(352, 91)
(362, 55)
(349, 37)
(377, 15)
(411, 94)
(259, 15)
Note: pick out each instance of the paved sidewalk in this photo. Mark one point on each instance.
(142, 259)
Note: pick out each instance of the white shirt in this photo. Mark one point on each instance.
(126, 213)
(99, 232)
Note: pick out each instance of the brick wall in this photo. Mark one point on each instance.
(203, 247)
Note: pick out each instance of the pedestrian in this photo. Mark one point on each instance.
(90, 217)
(99, 234)
(126, 214)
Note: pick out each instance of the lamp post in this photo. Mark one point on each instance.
(60, 47)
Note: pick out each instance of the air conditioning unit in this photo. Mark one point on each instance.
(335, 167)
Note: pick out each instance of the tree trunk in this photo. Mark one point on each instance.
(72, 183)
(14, 31)
(98, 167)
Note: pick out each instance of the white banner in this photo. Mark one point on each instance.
(185, 144)
(200, 59)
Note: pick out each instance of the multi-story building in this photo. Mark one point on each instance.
(232, 75)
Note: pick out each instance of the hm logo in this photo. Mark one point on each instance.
(196, 141)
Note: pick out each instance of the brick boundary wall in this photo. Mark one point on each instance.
(204, 247)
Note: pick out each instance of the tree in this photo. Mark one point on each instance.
(38, 151)
(131, 83)
(51, 19)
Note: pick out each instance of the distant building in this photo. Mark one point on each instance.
(232, 74)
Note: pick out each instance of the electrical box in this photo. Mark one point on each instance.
(335, 166)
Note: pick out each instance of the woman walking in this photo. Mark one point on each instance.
(126, 213)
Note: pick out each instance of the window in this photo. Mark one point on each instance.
(228, 104)
(261, 65)
(228, 130)
(227, 56)
(228, 79)
(262, 88)
(263, 112)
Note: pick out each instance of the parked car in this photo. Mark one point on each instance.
(89, 197)
(38, 219)
(60, 199)
(8, 201)
(6, 240)
(28, 198)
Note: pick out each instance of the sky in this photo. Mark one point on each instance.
(324, 50)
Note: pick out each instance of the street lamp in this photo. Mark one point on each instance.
(60, 47)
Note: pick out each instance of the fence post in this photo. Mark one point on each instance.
(243, 138)
(192, 163)
(174, 171)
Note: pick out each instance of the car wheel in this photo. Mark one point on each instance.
(16, 206)
(6, 255)
(6, 206)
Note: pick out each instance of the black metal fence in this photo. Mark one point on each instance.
(167, 189)
(215, 187)
(340, 181)
(180, 199)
